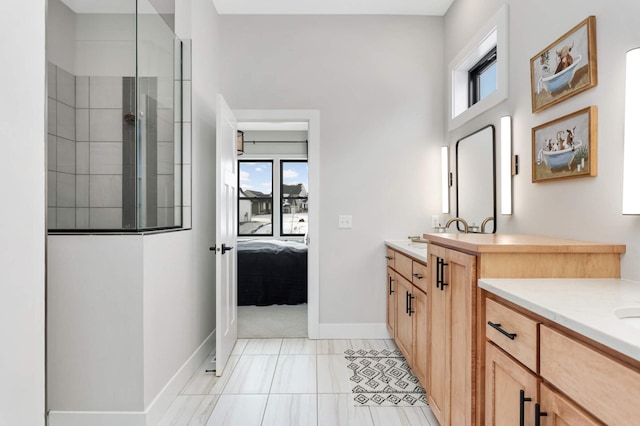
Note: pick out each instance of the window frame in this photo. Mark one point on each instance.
(282, 198)
(240, 161)
(476, 72)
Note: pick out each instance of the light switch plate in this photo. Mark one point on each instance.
(435, 220)
(345, 221)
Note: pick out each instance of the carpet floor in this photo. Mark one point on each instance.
(272, 321)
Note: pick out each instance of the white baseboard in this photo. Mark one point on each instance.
(353, 331)
(163, 400)
(154, 412)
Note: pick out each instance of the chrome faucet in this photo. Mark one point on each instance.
(461, 220)
(484, 223)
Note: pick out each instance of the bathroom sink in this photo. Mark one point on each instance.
(418, 244)
(629, 314)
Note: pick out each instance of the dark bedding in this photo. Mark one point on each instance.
(272, 272)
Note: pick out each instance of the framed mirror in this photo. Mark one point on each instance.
(476, 180)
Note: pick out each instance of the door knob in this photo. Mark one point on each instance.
(226, 248)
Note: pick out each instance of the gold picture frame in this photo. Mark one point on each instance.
(566, 67)
(565, 147)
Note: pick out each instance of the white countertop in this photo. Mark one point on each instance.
(584, 305)
(416, 250)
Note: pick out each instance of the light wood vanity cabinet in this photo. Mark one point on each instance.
(578, 383)
(457, 318)
(451, 317)
(407, 309)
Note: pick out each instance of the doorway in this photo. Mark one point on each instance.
(279, 319)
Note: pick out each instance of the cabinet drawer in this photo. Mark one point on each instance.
(419, 275)
(404, 265)
(391, 257)
(524, 342)
(605, 387)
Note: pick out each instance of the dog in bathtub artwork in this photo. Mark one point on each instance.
(565, 147)
(564, 68)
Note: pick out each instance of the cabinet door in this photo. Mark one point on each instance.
(404, 322)
(561, 411)
(391, 301)
(460, 273)
(510, 390)
(420, 332)
(439, 343)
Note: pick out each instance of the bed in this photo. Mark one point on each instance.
(271, 272)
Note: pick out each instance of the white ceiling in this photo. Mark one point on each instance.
(279, 7)
(333, 7)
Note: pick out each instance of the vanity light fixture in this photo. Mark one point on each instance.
(631, 172)
(506, 165)
(240, 147)
(444, 166)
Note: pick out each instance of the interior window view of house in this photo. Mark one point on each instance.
(320, 213)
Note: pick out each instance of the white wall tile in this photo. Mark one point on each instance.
(52, 184)
(186, 100)
(165, 191)
(52, 152)
(82, 158)
(186, 185)
(82, 124)
(165, 92)
(65, 121)
(66, 87)
(105, 92)
(105, 218)
(66, 155)
(165, 158)
(51, 218)
(185, 156)
(165, 125)
(65, 218)
(166, 216)
(82, 92)
(105, 158)
(82, 218)
(51, 80)
(66, 190)
(82, 191)
(51, 116)
(105, 191)
(105, 125)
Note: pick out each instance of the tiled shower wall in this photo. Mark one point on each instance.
(85, 154)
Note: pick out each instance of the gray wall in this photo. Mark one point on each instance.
(585, 208)
(377, 82)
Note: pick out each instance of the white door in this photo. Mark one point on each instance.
(225, 253)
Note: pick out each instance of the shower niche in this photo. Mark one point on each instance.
(118, 117)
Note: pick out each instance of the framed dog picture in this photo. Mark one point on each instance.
(565, 147)
(566, 67)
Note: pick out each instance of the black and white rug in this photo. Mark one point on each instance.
(383, 379)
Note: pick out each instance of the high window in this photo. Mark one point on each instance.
(483, 77)
(255, 198)
(294, 198)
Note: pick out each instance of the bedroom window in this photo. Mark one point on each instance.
(255, 198)
(294, 198)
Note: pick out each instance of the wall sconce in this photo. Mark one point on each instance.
(631, 172)
(444, 165)
(506, 165)
(240, 146)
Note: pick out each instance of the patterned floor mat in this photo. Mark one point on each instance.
(383, 378)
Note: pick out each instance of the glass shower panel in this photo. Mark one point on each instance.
(114, 117)
(158, 139)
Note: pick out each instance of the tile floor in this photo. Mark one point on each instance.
(282, 382)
